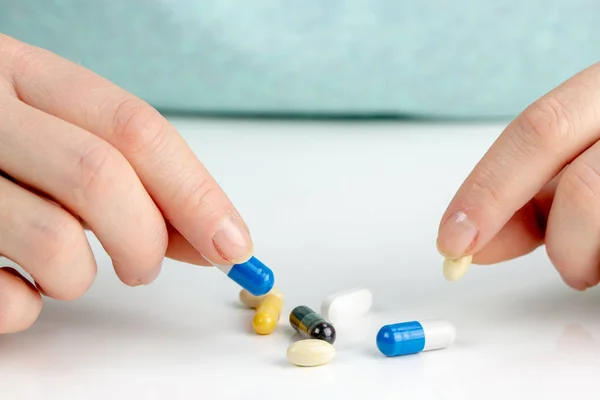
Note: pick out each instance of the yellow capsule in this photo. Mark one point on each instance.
(455, 269)
(267, 314)
(251, 301)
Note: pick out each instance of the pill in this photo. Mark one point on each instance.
(253, 275)
(414, 337)
(346, 305)
(267, 314)
(310, 353)
(251, 301)
(455, 269)
(311, 325)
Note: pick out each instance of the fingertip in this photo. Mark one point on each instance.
(576, 284)
(574, 279)
(20, 302)
(232, 241)
(457, 235)
(143, 265)
(152, 274)
(136, 277)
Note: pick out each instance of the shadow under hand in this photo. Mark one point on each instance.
(69, 334)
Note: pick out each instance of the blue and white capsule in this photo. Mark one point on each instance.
(415, 337)
(253, 275)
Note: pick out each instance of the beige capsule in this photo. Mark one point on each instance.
(251, 301)
(455, 269)
(310, 353)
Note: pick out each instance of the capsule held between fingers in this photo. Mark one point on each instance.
(253, 275)
(456, 269)
(267, 314)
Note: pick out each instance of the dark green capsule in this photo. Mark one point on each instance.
(311, 325)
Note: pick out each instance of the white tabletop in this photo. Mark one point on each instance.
(330, 207)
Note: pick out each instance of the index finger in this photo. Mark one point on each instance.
(186, 193)
(533, 149)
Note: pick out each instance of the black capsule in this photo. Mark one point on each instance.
(311, 325)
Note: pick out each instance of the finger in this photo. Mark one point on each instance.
(181, 250)
(92, 180)
(523, 233)
(573, 234)
(186, 193)
(20, 303)
(46, 241)
(528, 154)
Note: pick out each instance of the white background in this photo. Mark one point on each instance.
(330, 207)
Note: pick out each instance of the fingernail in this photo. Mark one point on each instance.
(232, 240)
(457, 235)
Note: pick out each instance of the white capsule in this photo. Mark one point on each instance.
(346, 305)
(455, 269)
(310, 353)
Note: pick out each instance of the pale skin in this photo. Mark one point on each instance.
(77, 152)
(539, 184)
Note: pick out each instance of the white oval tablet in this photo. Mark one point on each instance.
(310, 353)
(346, 305)
(455, 269)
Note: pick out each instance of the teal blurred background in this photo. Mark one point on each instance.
(301, 58)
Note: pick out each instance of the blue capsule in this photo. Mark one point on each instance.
(414, 337)
(253, 275)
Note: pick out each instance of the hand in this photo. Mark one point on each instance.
(75, 150)
(538, 184)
